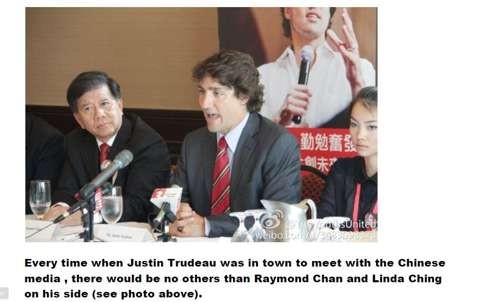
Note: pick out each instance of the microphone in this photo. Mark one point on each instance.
(105, 188)
(164, 212)
(121, 160)
(306, 54)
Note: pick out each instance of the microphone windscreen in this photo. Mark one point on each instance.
(307, 53)
(124, 157)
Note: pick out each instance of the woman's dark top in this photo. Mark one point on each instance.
(338, 197)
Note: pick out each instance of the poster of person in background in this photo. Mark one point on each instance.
(337, 70)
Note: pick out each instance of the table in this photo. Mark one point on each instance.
(142, 232)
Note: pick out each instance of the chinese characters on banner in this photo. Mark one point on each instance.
(321, 147)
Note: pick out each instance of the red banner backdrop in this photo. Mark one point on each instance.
(321, 147)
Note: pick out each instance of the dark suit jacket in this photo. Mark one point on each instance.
(266, 165)
(148, 170)
(44, 154)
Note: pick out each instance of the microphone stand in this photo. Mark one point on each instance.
(164, 225)
(87, 216)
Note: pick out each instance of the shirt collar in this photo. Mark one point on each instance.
(288, 58)
(233, 136)
(109, 142)
(322, 50)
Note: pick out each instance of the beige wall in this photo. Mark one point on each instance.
(149, 51)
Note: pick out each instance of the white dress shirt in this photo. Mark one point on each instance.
(331, 91)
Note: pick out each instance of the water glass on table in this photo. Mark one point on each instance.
(112, 209)
(241, 234)
(257, 232)
(40, 197)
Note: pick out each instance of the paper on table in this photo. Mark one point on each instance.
(129, 232)
(32, 226)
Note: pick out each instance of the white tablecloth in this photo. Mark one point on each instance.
(71, 233)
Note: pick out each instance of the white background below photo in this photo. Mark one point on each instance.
(431, 85)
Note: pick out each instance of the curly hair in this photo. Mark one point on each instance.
(236, 70)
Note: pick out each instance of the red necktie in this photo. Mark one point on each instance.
(220, 197)
(104, 150)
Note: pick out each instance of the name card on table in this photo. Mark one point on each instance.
(122, 233)
(32, 226)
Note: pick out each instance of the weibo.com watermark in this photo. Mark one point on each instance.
(272, 220)
(280, 228)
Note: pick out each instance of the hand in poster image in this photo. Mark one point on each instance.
(349, 49)
(296, 103)
(336, 72)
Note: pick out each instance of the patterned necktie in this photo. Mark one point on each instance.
(220, 197)
(104, 150)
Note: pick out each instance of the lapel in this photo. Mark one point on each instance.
(119, 144)
(349, 196)
(90, 154)
(356, 176)
(243, 153)
(121, 139)
(208, 159)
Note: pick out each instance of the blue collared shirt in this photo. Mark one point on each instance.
(232, 138)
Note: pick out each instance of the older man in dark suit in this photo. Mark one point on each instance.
(96, 102)
(239, 158)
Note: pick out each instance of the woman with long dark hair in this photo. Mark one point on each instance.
(351, 187)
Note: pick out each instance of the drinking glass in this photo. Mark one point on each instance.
(40, 197)
(241, 234)
(112, 208)
(315, 229)
(257, 233)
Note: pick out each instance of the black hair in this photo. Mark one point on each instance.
(87, 81)
(368, 96)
